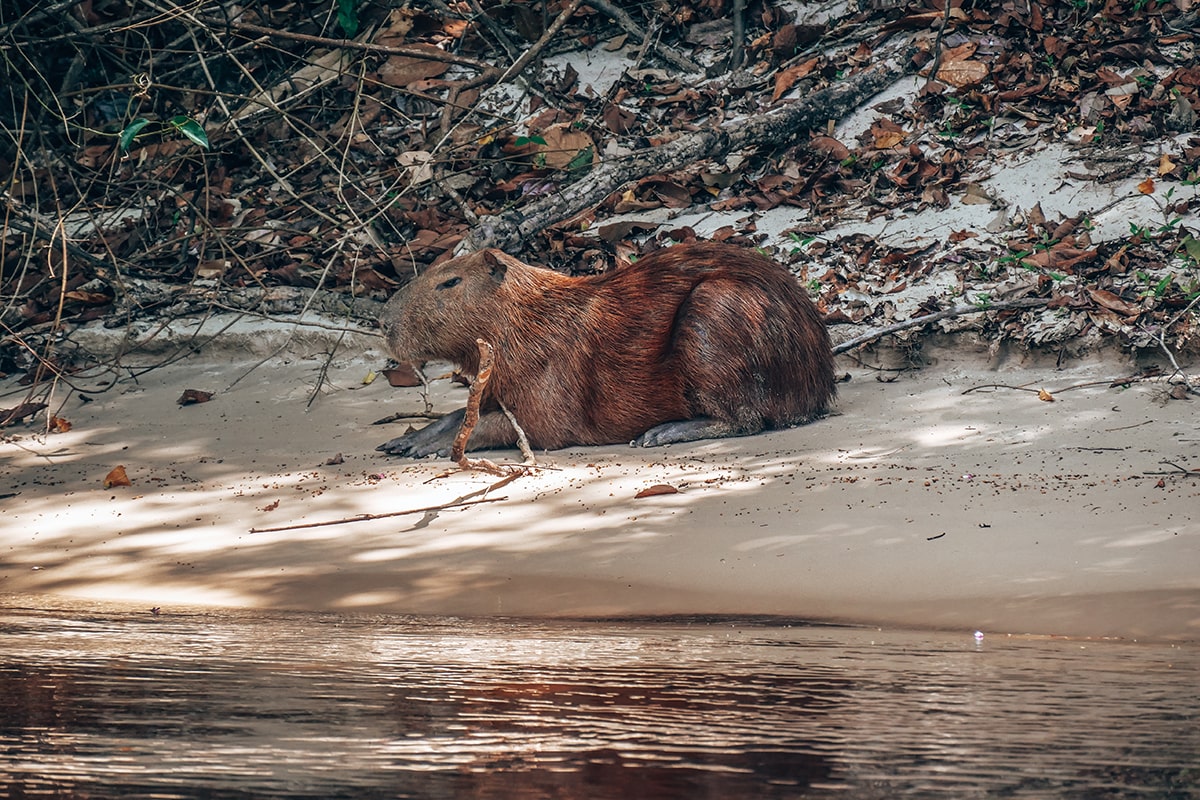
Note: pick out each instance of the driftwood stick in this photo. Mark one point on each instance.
(957, 311)
(471, 419)
(522, 439)
(366, 517)
(458, 451)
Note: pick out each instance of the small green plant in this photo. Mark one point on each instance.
(1152, 288)
(347, 17)
(1010, 259)
(181, 124)
(983, 301)
(582, 159)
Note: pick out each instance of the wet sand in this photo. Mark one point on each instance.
(913, 505)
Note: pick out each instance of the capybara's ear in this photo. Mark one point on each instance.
(496, 266)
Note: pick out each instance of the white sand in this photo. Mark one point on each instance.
(914, 505)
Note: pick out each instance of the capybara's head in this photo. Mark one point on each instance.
(441, 313)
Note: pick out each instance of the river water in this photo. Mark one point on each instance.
(100, 702)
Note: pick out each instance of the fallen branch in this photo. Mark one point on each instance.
(957, 311)
(631, 27)
(779, 127)
(522, 440)
(367, 517)
(983, 386)
(458, 451)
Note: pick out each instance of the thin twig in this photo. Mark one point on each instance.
(426, 53)
(937, 44)
(368, 517)
(1000, 386)
(537, 47)
(522, 440)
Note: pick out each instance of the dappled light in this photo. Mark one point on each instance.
(914, 503)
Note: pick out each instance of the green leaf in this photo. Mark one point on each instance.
(583, 159)
(347, 17)
(521, 141)
(191, 129)
(1191, 246)
(126, 137)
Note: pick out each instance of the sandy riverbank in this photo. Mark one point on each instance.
(914, 505)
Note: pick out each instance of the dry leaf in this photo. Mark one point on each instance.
(19, 413)
(58, 424)
(960, 74)
(786, 79)
(1045, 396)
(403, 70)
(193, 396)
(830, 146)
(406, 374)
(888, 139)
(616, 43)
(1165, 165)
(1146, 186)
(976, 195)
(116, 477)
(657, 489)
(1114, 303)
(563, 144)
(270, 506)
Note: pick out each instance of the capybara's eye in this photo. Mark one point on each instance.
(450, 283)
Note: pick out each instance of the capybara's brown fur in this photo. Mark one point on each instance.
(693, 341)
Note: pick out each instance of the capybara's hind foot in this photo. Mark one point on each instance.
(688, 430)
(435, 439)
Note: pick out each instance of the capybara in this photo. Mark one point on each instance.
(691, 342)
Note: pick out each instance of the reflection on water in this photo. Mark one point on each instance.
(104, 703)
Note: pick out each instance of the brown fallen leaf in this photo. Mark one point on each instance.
(657, 489)
(787, 78)
(19, 413)
(563, 144)
(193, 396)
(960, 74)
(1045, 396)
(117, 477)
(270, 506)
(1113, 303)
(406, 374)
(1146, 186)
(58, 424)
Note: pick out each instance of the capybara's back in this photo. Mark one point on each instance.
(694, 341)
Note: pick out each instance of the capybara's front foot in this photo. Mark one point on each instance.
(435, 439)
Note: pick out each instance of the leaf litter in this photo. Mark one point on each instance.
(248, 157)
